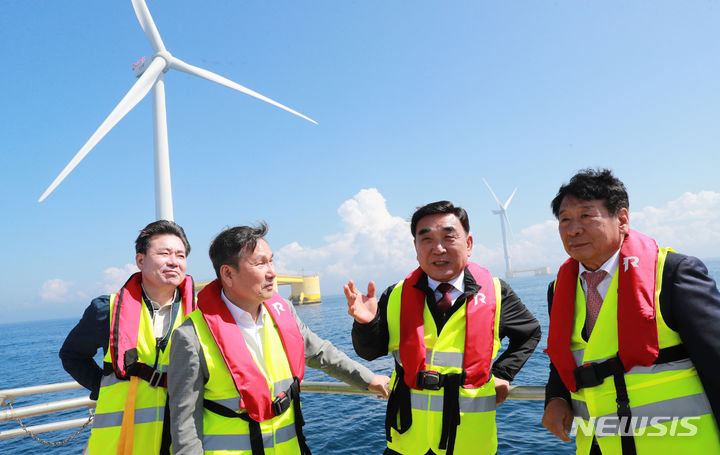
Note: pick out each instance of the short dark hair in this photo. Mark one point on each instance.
(229, 245)
(439, 208)
(160, 227)
(589, 184)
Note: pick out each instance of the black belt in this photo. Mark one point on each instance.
(593, 374)
(400, 403)
(145, 372)
(280, 404)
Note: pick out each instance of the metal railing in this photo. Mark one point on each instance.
(7, 397)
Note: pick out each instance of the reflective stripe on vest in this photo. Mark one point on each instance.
(237, 442)
(677, 365)
(434, 403)
(234, 403)
(680, 407)
(142, 415)
(442, 359)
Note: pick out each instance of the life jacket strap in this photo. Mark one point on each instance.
(398, 403)
(281, 403)
(593, 374)
(166, 437)
(152, 376)
(451, 410)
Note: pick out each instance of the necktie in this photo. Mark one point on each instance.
(445, 301)
(592, 297)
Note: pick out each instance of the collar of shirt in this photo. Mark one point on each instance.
(610, 266)
(251, 330)
(243, 319)
(161, 314)
(155, 305)
(458, 284)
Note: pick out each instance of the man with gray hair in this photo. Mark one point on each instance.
(237, 362)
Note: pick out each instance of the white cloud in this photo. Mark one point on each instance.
(114, 277)
(59, 291)
(690, 224)
(375, 245)
(55, 290)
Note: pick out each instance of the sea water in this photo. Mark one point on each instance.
(336, 424)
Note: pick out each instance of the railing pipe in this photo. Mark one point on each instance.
(8, 395)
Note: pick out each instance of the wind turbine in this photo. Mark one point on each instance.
(150, 74)
(502, 211)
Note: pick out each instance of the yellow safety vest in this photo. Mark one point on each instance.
(656, 393)
(226, 435)
(476, 434)
(149, 403)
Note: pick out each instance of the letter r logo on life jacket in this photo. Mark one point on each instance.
(631, 260)
(278, 307)
(479, 296)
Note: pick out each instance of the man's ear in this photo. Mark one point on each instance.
(623, 217)
(226, 275)
(469, 245)
(139, 259)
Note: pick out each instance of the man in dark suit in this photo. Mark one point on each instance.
(634, 338)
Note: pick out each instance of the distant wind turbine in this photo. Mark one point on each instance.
(502, 211)
(150, 75)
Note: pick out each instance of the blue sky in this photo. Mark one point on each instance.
(416, 102)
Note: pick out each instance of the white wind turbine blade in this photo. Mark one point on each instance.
(507, 220)
(177, 64)
(493, 193)
(137, 92)
(148, 25)
(509, 199)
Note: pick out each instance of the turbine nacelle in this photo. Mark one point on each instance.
(143, 63)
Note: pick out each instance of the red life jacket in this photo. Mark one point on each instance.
(637, 327)
(479, 328)
(125, 323)
(249, 381)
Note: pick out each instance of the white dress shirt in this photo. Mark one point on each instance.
(253, 332)
(458, 284)
(610, 266)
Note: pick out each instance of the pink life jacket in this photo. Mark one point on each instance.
(637, 328)
(249, 381)
(125, 324)
(479, 329)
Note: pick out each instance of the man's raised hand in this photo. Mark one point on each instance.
(361, 307)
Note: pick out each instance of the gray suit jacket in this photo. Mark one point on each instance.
(188, 373)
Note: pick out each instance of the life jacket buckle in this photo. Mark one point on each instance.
(155, 379)
(586, 376)
(281, 403)
(430, 380)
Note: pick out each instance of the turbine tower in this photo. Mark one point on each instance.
(502, 211)
(150, 74)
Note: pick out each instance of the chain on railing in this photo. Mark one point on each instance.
(32, 435)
